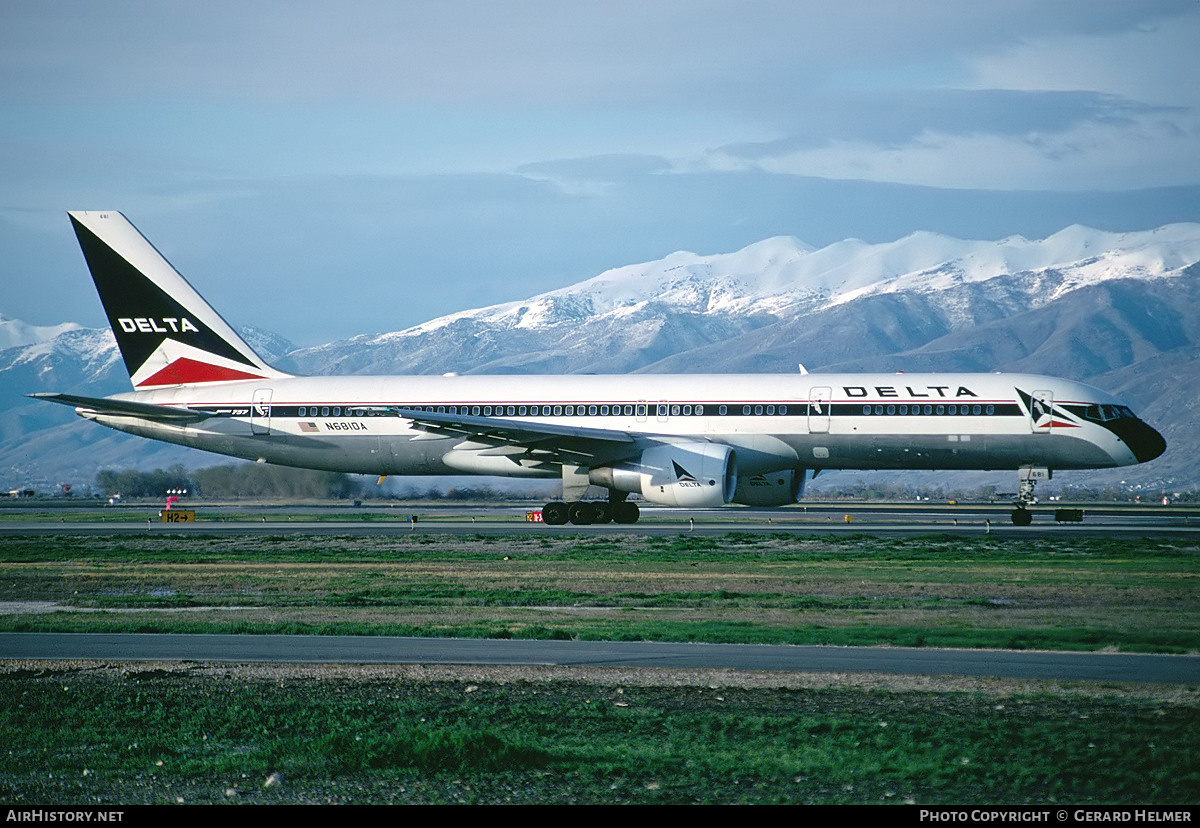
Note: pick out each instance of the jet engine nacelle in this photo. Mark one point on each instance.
(680, 474)
(781, 488)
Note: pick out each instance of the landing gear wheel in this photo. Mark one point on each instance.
(581, 514)
(1022, 517)
(554, 513)
(602, 512)
(625, 512)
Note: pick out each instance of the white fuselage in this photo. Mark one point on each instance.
(774, 422)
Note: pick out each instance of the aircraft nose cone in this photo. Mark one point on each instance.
(1145, 442)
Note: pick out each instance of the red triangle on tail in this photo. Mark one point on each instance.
(184, 371)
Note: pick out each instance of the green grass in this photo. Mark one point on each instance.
(587, 743)
(204, 734)
(1044, 593)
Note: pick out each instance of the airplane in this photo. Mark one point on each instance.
(684, 440)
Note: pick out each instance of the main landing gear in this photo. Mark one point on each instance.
(582, 512)
(587, 512)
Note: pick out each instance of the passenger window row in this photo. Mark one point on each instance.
(927, 410)
(595, 410)
(660, 410)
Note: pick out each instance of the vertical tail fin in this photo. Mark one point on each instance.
(167, 333)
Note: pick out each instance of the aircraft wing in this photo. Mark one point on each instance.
(125, 408)
(533, 440)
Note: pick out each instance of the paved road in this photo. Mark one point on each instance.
(1152, 669)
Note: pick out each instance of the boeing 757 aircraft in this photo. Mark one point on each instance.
(675, 440)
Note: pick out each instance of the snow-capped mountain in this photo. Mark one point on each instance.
(1115, 309)
(14, 333)
(651, 316)
(783, 274)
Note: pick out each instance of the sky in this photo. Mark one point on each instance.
(326, 170)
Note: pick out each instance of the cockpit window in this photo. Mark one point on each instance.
(1105, 413)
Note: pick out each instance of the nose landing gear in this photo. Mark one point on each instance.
(1027, 478)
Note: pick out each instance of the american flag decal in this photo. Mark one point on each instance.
(308, 428)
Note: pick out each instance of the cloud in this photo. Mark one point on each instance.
(1105, 146)
(495, 150)
(537, 52)
(886, 119)
(1154, 149)
(1149, 62)
(1097, 107)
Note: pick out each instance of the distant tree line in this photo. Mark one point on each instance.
(233, 480)
(135, 483)
(457, 492)
(259, 480)
(899, 492)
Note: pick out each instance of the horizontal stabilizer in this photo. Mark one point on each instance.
(125, 408)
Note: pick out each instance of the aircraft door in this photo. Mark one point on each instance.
(1041, 414)
(819, 409)
(260, 412)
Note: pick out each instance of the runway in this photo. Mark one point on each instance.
(825, 518)
(1110, 667)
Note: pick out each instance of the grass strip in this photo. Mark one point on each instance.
(1044, 593)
